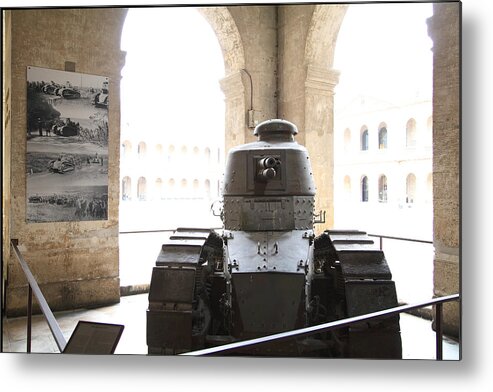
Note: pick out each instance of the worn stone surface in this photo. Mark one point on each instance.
(67, 295)
(288, 53)
(65, 254)
(6, 141)
(444, 29)
(446, 275)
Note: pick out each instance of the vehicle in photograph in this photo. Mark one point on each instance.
(62, 165)
(50, 89)
(35, 199)
(67, 129)
(68, 93)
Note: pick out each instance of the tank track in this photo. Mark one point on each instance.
(178, 315)
(357, 281)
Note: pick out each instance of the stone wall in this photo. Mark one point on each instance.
(75, 263)
(307, 37)
(444, 29)
(288, 54)
(6, 140)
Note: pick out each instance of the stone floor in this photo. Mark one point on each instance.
(418, 339)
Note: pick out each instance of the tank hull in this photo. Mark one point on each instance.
(266, 272)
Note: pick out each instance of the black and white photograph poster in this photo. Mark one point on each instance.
(67, 146)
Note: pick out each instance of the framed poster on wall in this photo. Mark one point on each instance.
(67, 146)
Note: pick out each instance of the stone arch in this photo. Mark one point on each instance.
(320, 81)
(228, 36)
(230, 41)
(322, 35)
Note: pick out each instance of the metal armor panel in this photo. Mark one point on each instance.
(264, 251)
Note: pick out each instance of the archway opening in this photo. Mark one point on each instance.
(384, 57)
(172, 109)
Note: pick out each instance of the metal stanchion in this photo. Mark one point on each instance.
(439, 331)
(29, 317)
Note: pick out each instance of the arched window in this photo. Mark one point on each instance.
(141, 150)
(411, 133)
(171, 187)
(182, 157)
(429, 133)
(142, 189)
(364, 189)
(410, 188)
(347, 139)
(159, 151)
(347, 185)
(382, 136)
(207, 154)
(159, 189)
(126, 188)
(127, 148)
(207, 185)
(195, 186)
(171, 153)
(382, 189)
(196, 152)
(364, 138)
(429, 188)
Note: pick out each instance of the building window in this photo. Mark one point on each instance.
(127, 148)
(347, 185)
(411, 133)
(141, 150)
(364, 139)
(171, 153)
(207, 185)
(364, 189)
(159, 189)
(382, 189)
(429, 133)
(142, 189)
(410, 188)
(382, 137)
(347, 139)
(126, 188)
(429, 188)
(159, 151)
(171, 186)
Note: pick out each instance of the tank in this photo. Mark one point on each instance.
(266, 271)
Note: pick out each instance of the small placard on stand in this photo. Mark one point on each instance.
(94, 338)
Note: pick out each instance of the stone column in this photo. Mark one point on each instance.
(76, 263)
(444, 29)
(319, 136)
(236, 128)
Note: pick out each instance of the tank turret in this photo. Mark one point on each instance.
(266, 272)
(268, 184)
